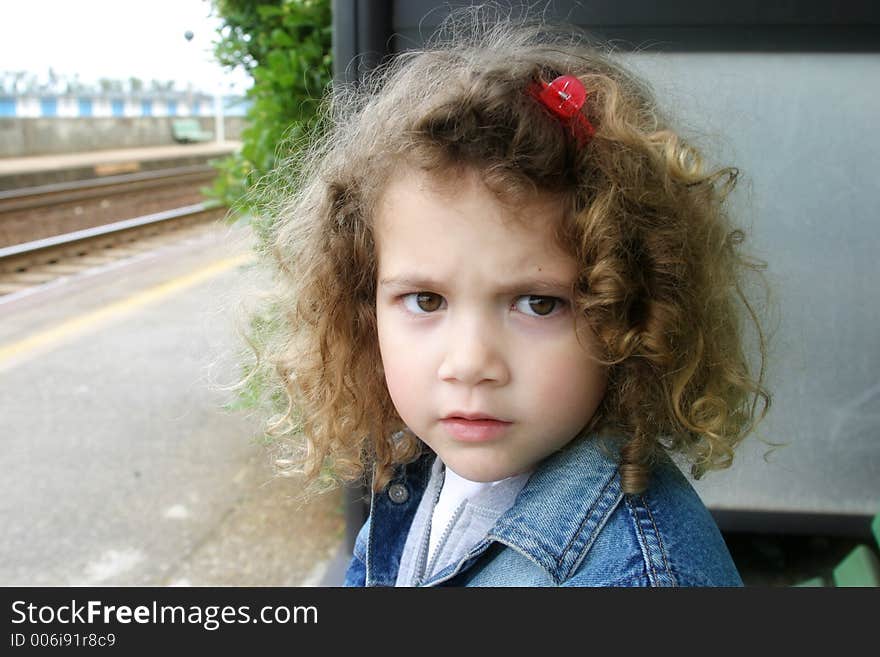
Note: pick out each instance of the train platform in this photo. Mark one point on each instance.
(18, 172)
(127, 461)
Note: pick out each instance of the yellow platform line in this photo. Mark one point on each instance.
(76, 326)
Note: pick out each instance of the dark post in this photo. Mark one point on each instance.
(361, 38)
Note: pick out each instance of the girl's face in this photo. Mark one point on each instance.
(474, 320)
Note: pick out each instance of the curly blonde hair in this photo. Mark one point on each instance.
(661, 274)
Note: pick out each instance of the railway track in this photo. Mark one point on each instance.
(38, 262)
(35, 213)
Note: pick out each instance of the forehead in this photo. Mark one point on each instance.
(453, 222)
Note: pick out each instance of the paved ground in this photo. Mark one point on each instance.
(268, 537)
(121, 462)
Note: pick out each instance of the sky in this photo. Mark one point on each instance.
(115, 39)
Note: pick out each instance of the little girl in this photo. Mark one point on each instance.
(510, 292)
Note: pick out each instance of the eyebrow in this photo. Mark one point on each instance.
(545, 284)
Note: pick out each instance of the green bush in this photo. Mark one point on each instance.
(285, 45)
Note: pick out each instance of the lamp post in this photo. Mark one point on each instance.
(219, 125)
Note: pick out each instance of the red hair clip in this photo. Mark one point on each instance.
(565, 97)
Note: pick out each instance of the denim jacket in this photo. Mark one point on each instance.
(571, 525)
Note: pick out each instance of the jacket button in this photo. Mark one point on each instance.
(398, 493)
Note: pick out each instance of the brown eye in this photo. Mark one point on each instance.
(428, 301)
(420, 303)
(542, 305)
(538, 306)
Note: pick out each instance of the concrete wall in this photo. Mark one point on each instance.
(24, 137)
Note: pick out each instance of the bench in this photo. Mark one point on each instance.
(859, 568)
(188, 131)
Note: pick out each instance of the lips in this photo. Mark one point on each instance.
(461, 415)
(474, 427)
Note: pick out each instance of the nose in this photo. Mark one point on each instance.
(474, 353)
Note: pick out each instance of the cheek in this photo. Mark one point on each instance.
(569, 383)
(397, 361)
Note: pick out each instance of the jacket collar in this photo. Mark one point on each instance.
(566, 502)
(553, 522)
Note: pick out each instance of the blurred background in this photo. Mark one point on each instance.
(131, 135)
